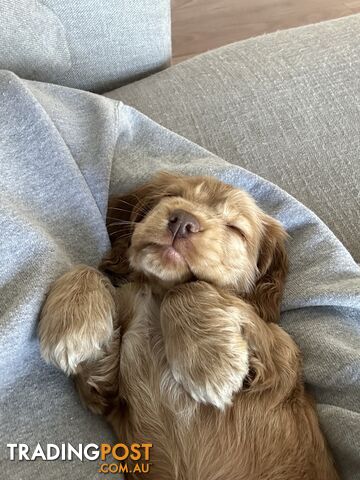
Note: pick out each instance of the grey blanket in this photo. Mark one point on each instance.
(61, 152)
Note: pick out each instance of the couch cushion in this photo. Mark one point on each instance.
(285, 106)
(88, 45)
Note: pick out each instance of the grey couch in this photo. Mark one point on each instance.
(285, 107)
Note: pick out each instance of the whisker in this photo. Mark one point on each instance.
(120, 259)
(140, 201)
(130, 204)
(119, 209)
(120, 236)
(127, 203)
(141, 210)
(116, 224)
(128, 222)
(127, 235)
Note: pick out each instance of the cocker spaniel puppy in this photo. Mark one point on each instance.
(174, 339)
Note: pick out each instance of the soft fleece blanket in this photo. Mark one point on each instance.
(62, 152)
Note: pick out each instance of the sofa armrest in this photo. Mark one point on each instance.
(93, 46)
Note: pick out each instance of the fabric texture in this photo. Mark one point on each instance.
(62, 152)
(92, 45)
(285, 106)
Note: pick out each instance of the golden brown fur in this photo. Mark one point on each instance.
(184, 353)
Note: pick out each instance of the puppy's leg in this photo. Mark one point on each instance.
(76, 321)
(275, 363)
(204, 342)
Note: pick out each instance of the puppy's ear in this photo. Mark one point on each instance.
(124, 211)
(272, 269)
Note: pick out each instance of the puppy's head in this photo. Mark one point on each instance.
(176, 228)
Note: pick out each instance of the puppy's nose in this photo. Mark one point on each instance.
(182, 224)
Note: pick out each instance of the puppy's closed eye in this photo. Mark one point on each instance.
(237, 230)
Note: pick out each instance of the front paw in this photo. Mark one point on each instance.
(76, 321)
(204, 345)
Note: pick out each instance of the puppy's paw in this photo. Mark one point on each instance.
(204, 345)
(76, 321)
(218, 372)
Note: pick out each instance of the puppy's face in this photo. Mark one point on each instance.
(178, 228)
(199, 228)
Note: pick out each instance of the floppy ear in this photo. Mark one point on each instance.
(272, 266)
(124, 211)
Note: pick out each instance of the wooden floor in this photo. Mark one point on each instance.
(201, 25)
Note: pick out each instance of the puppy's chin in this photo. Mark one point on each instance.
(162, 262)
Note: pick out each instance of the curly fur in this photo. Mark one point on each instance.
(185, 352)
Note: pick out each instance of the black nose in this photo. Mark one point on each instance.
(182, 223)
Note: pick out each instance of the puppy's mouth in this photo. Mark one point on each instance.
(171, 255)
(165, 260)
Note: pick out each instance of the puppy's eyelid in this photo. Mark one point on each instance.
(167, 195)
(237, 230)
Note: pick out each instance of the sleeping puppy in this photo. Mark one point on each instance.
(182, 349)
